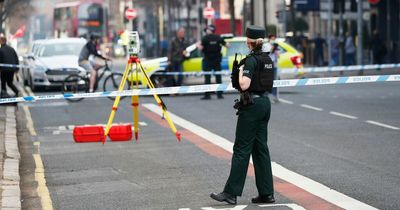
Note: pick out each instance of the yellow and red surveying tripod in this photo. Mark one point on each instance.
(131, 73)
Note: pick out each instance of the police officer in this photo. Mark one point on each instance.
(211, 46)
(254, 79)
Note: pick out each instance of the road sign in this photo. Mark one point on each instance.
(130, 13)
(208, 12)
(373, 1)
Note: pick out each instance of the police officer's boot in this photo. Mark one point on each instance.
(219, 95)
(263, 199)
(4, 94)
(224, 197)
(206, 96)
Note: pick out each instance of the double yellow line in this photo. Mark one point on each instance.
(42, 190)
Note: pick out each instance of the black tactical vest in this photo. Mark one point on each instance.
(212, 47)
(263, 76)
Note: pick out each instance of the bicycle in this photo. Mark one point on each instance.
(76, 83)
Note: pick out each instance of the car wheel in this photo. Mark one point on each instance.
(161, 80)
(24, 79)
(31, 85)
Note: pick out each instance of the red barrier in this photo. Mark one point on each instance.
(121, 132)
(89, 133)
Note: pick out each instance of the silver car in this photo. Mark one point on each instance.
(51, 61)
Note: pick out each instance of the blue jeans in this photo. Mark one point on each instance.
(177, 67)
(349, 59)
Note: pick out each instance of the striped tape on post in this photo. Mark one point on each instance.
(208, 88)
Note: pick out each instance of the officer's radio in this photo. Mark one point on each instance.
(134, 43)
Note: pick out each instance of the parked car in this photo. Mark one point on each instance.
(51, 61)
(289, 58)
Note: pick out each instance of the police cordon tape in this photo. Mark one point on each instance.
(340, 68)
(281, 71)
(13, 65)
(293, 70)
(209, 88)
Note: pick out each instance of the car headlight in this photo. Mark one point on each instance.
(39, 72)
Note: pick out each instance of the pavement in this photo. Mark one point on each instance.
(9, 159)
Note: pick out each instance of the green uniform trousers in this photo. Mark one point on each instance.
(251, 138)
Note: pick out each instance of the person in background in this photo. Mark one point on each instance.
(177, 54)
(350, 50)
(90, 48)
(211, 45)
(334, 61)
(378, 48)
(7, 56)
(124, 37)
(319, 44)
(272, 49)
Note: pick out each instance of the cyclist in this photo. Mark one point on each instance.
(90, 48)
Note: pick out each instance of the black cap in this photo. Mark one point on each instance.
(210, 27)
(255, 32)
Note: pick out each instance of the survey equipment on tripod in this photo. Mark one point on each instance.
(134, 43)
(133, 72)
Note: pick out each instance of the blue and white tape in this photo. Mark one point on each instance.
(200, 73)
(13, 65)
(339, 68)
(209, 88)
(282, 71)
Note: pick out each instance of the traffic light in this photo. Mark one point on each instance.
(338, 6)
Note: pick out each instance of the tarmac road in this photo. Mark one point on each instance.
(345, 137)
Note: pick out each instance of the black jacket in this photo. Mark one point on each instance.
(176, 49)
(8, 56)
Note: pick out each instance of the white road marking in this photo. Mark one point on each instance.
(56, 132)
(343, 115)
(62, 128)
(382, 125)
(71, 127)
(311, 107)
(239, 207)
(279, 171)
(285, 101)
(290, 205)
(143, 123)
(46, 104)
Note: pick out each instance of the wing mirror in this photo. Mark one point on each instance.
(30, 56)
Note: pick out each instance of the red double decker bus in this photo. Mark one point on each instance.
(80, 18)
